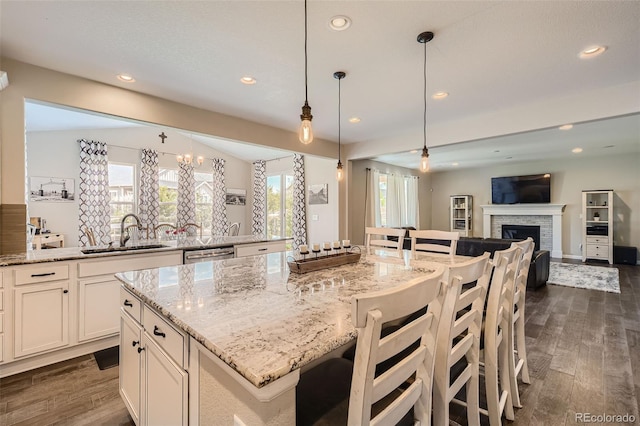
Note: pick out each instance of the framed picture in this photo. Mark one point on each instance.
(236, 197)
(318, 194)
(51, 189)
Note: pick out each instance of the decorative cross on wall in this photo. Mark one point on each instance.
(162, 136)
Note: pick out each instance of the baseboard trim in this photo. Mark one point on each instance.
(22, 365)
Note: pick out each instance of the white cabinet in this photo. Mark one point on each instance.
(41, 319)
(461, 210)
(153, 382)
(597, 225)
(243, 250)
(97, 312)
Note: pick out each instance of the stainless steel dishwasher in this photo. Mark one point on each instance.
(205, 255)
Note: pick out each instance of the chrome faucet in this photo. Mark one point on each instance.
(124, 238)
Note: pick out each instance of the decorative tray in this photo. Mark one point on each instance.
(302, 266)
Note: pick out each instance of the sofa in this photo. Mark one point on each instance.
(471, 246)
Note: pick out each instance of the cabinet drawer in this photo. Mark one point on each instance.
(167, 337)
(598, 240)
(598, 251)
(130, 304)
(40, 274)
(127, 262)
(262, 248)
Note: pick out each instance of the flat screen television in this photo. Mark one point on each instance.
(521, 189)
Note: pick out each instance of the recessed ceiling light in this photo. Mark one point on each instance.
(454, 164)
(576, 150)
(592, 51)
(127, 78)
(439, 95)
(354, 120)
(248, 80)
(339, 23)
(413, 151)
(566, 127)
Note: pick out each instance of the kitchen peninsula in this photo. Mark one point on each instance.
(60, 303)
(234, 334)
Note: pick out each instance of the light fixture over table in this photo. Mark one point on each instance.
(424, 38)
(339, 172)
(305, 134)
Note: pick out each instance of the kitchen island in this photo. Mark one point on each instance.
(249, 326)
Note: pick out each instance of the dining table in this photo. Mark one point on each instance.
(254, 325)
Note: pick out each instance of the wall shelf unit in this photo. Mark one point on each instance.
(461, 210)
(597, 225)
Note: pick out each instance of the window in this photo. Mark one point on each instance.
(204, 201)
(280, 206)
(168, 183)
(122, 190)
(398, 200)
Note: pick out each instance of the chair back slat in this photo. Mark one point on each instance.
(433, 246)
(382, 237)
(415, 341)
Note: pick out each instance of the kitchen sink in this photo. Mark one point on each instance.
(93, 250)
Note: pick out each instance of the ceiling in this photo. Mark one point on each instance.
(489, 56)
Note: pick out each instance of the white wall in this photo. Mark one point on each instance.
(569, 177)
(317, 171)
(56, 154)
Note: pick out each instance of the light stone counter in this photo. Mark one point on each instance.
(263, 321)
(74, 253)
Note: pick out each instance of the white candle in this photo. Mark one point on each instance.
(346, 243)
(303, 248)
(316, 247)
(326, 246)
(336, 244)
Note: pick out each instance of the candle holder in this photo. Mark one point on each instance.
(304, 254)
(316, 252)
(327, 249)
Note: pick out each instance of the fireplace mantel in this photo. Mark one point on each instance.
(553, 210)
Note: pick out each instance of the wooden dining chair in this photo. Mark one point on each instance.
(164, 231)
(494, 356)
(192, 229)
(458, 349)
(515, 333)
(325, 395)
(437, 241)
(234, 229)
(379, 237)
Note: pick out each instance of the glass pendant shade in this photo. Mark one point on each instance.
(305, 134)
(339, 172)
(424, 160)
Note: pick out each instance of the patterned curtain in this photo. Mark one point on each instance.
(94, 208)
(149, 207)
(259, 228)
(219, 223)
(186, 194)
(299, 204)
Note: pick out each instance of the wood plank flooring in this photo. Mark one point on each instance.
(583, 350)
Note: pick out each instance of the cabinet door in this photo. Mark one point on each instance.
(41, 317)
(166, 387)
(130, 367)
(98, 308)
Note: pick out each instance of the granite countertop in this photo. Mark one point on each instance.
(259, 318)
(74, 253)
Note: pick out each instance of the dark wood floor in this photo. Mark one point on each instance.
(583, 350)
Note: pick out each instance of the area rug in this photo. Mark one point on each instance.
(584, 276)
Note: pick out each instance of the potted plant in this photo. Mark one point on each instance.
(596, 216)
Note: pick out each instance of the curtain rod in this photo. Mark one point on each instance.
(391, 173)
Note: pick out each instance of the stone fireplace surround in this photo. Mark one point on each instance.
(547, 216)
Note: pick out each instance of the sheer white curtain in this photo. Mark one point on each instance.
(396, 201)
(412, 217)
(372, 203)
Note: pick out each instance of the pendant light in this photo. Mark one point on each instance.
(305, 134)
(339, 172)
(424, 38)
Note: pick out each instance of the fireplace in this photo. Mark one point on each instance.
(522, 232)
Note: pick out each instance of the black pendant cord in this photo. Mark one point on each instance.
(425, 95)
(306, 97)
(339, 106)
